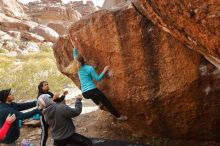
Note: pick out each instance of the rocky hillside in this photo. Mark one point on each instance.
(57, 15)
(163, 64)
(37, 22)
(12, 8)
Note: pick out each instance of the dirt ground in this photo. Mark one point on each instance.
(98, 124)
(95, 124)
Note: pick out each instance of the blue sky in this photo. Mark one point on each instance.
(96, 2)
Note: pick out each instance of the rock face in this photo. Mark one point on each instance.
(11, 8)
(11, 14)
(16, 29)
(32, 37)
(59, 16)
(83, 9)
(110, 3)
(46, 32)
(44, 13)
(60, 28)
(194, 23)
(15, 34)
(9, 24)
(4, 36)
(165, 88)
(15, 24)
(38, 21)
(51, 1)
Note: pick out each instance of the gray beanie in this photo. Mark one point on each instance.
(47, 101)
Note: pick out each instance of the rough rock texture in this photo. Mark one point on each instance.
(15, 34)
(56, 15)
(16, 30)
(51, 1)
(15, 24)
(11, 8)
(194, 23)
(47, 33)
(32, 37)
(4, 36)
(165, 88)
(60, 28)
(44, 13)
(110, 3)
(9, 23)
(24, 26)
(83, 9)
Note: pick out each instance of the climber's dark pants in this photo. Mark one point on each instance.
(44, 132)
(75, 139)
(98, 97)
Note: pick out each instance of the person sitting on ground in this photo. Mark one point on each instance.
(86, 74)
(43, 88)
(58, 117)
(9, 120)
(7, 106)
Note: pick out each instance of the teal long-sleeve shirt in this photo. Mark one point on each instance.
(86, 75)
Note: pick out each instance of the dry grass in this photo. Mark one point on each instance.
(24, 73)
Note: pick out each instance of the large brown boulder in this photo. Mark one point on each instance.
(194, 23)
(165, 88)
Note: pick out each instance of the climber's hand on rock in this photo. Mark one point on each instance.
(72, 43)
(106, 69)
